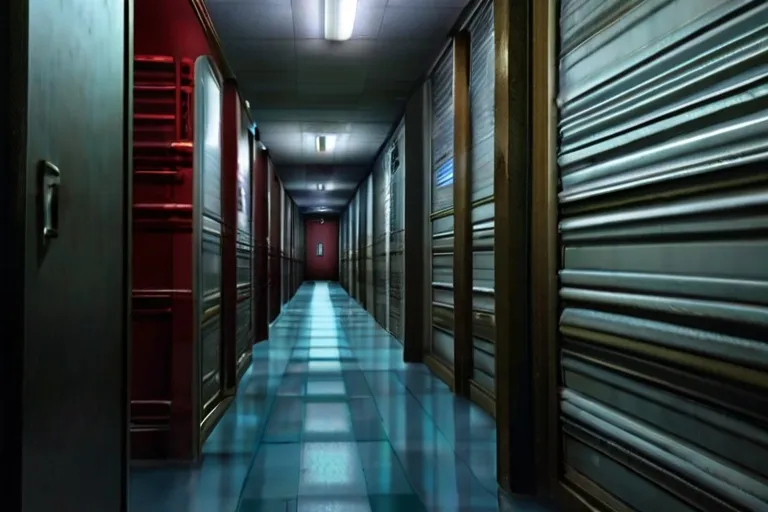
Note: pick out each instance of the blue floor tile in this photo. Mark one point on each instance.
(330, 418)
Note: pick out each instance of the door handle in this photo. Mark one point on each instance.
(49, 196)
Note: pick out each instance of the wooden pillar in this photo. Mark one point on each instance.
(514, 408)
(544, 245)
(462, 206)
(230, 124)
(417, 240)
(260, 218)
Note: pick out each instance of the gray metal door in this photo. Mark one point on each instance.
(64, 232)
(663, 149)
(441, 86)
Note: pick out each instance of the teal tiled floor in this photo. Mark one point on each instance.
(330, 418)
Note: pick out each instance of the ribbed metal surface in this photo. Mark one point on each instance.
(481, 104)
(441, 90)
(481, 100)
(441, 85)
(664, 282)
(343, 250)
(396, 166)
(370, 285)
(354, 209)
(381, 178)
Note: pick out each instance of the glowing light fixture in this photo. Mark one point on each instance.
(339, 19)
(325, 143)
(320, 186)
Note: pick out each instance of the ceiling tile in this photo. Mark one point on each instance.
(319, 52)
(260, 55)
(406, 23)
(308, 19)
(247, 20)
(368, 21)
(268, 81)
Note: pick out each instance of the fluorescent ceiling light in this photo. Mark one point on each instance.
(325, 143)
(320, 186)
(339, 19)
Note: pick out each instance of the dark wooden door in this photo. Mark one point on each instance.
(66, 272)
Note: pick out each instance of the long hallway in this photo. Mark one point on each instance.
(330, 418)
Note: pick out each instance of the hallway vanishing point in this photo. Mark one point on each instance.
(330, 418)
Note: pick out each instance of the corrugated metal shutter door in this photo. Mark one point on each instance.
(342, 249)
(381, 237)
(481, 90)
(350, 250)
(370, 262)
(664, 280)
(441, 85)
(355, 230)
(396, 169)
(362, 242)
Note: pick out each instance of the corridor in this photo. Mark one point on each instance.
(329, 418)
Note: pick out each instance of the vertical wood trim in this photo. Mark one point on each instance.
(229, 128)
(260, 216)
(462, 206)
(414, 237)
(514, 410)
(544, 244)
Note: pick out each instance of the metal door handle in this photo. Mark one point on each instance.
(49, 194)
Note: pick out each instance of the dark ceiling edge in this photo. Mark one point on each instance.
(461, 23)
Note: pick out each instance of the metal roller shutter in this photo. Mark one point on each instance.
(481, 97)
(396, 168)
(350, 253)
(381, 241)
(353, 246)
(441, 85)
(664, 283)
(370, 289)
(362, 195)
(343, 250)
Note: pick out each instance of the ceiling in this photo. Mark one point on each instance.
(299, 85)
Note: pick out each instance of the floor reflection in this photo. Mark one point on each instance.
(330, 418)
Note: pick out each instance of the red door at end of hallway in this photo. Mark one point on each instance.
(322, 258)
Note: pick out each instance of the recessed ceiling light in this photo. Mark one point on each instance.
(325, 143)
(339, 19)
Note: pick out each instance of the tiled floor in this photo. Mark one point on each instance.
(329, 418)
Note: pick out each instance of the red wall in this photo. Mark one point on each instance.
(325, 267)
(162, 358)
(168, 27)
